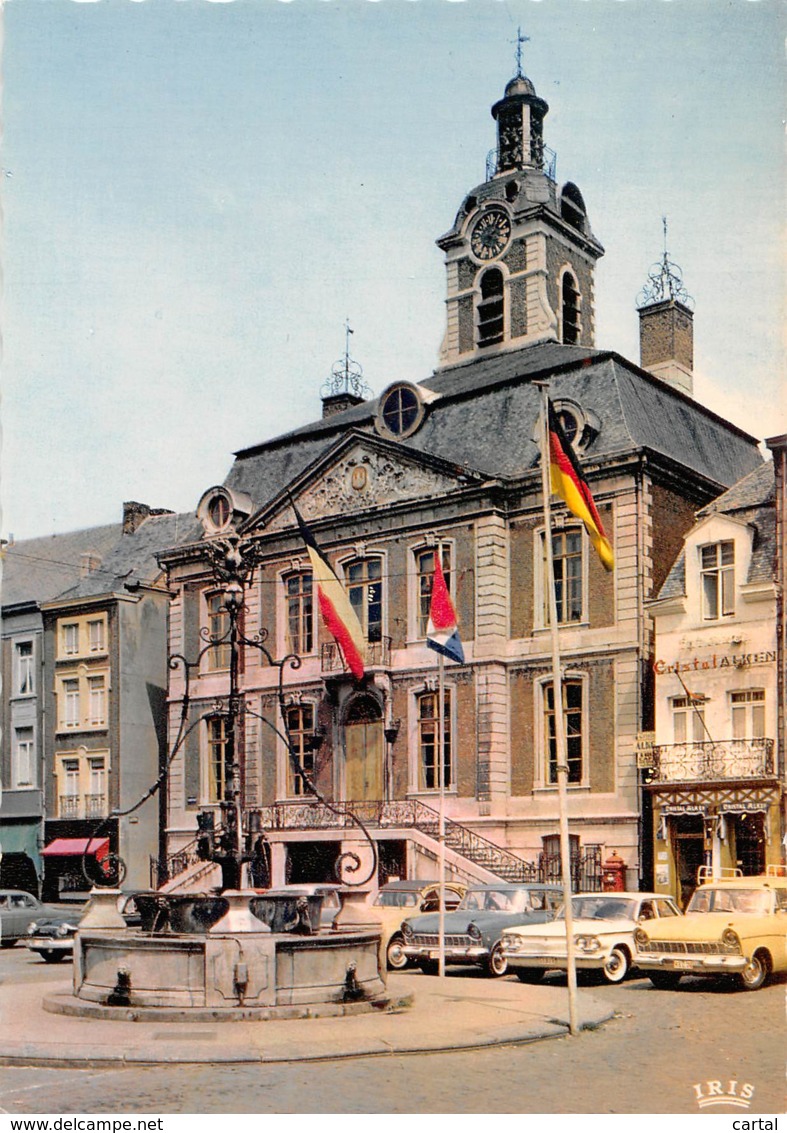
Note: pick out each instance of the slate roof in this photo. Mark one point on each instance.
(37, 570)
(485, 415)
(751, 499)
(133, 558)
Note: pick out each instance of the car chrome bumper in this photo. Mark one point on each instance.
(471, 954)
(517, 960)
(700, 964)
(49, 943)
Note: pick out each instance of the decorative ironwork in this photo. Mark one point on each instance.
(69, 806)
(346, 374)
(378, 655)
(95, 806)
(665, 281)
(586, 869)
(706, 761)
(542, 156)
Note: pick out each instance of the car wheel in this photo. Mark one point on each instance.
(49, 956)
(616, 967)
(664, 981)
(530, 975)
(756, 972)
(394, 955)
(8, 943)
(496, 963)
(429, 967)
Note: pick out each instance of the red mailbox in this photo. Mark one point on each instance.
(613, 874)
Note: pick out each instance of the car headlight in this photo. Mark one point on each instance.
(31, 928)
(731, 940)
(640, 937)
(474, 932)
(587, 943)
(512, 942)
(407, 931)
(64, 930)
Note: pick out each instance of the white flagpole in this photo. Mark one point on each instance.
(440, 752)
(560, 729)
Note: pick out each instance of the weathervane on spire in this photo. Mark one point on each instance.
(346, 373)
(520, 40)
(665, 281)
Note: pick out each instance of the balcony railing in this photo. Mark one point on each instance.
(70, 806)
(378, 655)
(95, 806)
(706, 761)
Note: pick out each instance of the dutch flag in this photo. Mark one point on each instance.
(441, 632)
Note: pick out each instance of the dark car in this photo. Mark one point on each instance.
(52, 933)
(17, 910)
(474, 929)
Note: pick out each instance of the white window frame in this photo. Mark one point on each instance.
(99, 645)
(748, 705)
(24, 667)
(71, 717)
(70, 632)
(283, 605)
(414, 737)
(540, 617)
(724, 576)
(540, 707)
(23, 756)
(688, 716)
(97, 699)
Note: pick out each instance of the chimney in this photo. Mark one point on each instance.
(88, 561)
(666, 343)
(135, 514)
(338, 402)
(666, 324)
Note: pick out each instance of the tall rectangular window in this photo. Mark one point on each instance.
(97, 700)
(25, 684)
(748, 714)
(573, 718)
(429, 742)
(717, 561)
(688, 720)
(567, 559)
(24, 758)
(96, 800)
(96, 636)
(218, 628)
(300, 613)
(71, 715)
(219, 759)
(365, 591)
(69, 789)
(424, 566)
(71, 639)
(300, 727)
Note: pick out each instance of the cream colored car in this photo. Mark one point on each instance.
(734, 926)
(398, 900)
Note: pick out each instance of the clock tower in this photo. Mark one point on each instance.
(520, 254)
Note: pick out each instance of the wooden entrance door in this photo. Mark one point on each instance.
(364, 746)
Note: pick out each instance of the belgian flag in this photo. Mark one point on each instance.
(340, 618)
(569, 483)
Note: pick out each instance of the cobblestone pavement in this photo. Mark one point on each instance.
(646, 1060)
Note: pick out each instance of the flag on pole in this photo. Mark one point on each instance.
(340, 618)
(569, 483)
(442, 634)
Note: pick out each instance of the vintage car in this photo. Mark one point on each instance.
(399, 899)
(52, 933)
(734, 926)
(17, 909)
(474, 929)
(603, 928)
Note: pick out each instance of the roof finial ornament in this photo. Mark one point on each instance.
(520, 40)
(665, 281)
(346, 373)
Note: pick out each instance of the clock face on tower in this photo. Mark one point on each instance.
(491, 234)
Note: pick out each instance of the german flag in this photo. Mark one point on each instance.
(569, 483)
(337, 613)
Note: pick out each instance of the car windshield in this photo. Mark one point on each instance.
(724, 900)
(397, 899)
(503, 900)
(602, 908)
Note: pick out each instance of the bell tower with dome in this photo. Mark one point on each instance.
(520, 254)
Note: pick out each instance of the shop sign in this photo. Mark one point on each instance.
(716, 661)
(684, 808)
(742, 808)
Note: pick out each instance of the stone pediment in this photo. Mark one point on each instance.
(362, 477)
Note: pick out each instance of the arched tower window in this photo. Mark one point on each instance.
(491, 308)
(570, 308)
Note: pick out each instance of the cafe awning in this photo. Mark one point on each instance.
(76, 847)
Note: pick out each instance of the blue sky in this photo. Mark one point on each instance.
(196, 195)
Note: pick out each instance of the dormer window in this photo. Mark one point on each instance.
(400, 412)
(717, 569)
(491, 308)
